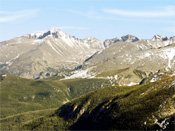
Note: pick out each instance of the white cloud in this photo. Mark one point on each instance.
(73, 28)
(168, 11)
(9, 16)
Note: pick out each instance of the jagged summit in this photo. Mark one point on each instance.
(55, 30)
(35, 35)
(129, 38)
(53, 51)
(159, 38)
(94, 43)
(126, 38)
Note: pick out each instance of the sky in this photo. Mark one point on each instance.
(102, 19)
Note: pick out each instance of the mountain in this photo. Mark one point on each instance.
(125, 60)
(143, 107)
(39, 55)
(127, 38)
(159, 38)
(128, 63)
(124, 83)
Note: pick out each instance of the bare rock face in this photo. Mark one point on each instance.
(50, 52)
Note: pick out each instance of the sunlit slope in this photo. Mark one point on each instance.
(149, 106)
(25, 99)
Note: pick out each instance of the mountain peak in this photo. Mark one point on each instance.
(129, 38)
(39, 35)
(126, 38)
(54, 30)
(94, 43)
(159, 38)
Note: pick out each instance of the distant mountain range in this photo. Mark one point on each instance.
(55, 53)
(130, 59)
(45, 54)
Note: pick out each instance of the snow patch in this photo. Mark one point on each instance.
(116, 77)
(147, 54)
(66, 39)
(154, 79)
(50, 44)
(11, 61)
(81, 74)
(132, 84)
(170, 54)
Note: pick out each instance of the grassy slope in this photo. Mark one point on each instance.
(137, 107)
(124, 76)
(22, 99)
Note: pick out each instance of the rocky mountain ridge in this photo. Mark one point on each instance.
(131, 38)
(127, 38)
(122, 61)
(48, 53)
(55, 53)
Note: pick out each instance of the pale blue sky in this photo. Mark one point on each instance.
(102, 19)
